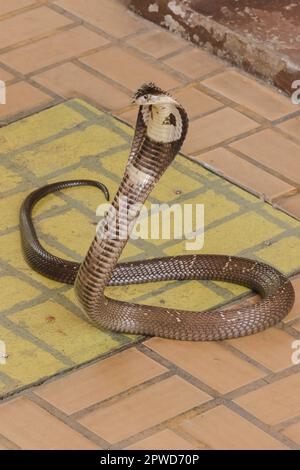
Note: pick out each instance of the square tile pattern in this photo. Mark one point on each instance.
(40, 322)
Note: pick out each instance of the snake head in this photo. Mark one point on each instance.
(150, 94)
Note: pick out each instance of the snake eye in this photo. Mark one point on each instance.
(145, 97)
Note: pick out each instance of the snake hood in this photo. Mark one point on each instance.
(163, 116)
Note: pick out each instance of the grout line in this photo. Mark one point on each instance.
(121, 395)
(12, 118)
(169, 422)
(286, 423)
(61, 416)
(37, 38)
(258, 164)
(88, 68)
(259, 424)
(66, 372)
(34, 5)
(8, 444)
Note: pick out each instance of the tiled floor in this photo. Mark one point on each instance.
(238, 394)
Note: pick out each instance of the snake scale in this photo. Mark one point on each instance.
(161, 128)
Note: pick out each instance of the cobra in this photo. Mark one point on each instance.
(161, 128)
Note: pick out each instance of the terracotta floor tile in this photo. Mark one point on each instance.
(5, 76)
(100, 381)
(244, 173)
(109, 15)
(118, 64)
(31, 427)
(61, 46)
(251, 93)
(293, 432)
(30, 24)
(295, 312)
(274, 151)
(157, 43)
(21, 97)
(222, 429)
(214, 128)
(275, 402)
(292, 126)
(195, 102)
(291, 204)
(144, 409)
(129, 116)
(162, 440)
(12, 5)
(69, 80)
(194, 63)
(217, 367)
(271, 348)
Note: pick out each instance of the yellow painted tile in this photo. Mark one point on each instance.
(284, 254)
(37, 127)
(173, 185)
(89, 196)
(10, 252)
(9, 179)
(15, 291)
(55, 251)
(124, 127)
(231, 237)
(67, 150)
(216, 205)
(190, 295)
(244, 195)
(9, 210)
(130, 251)
(27, 362)
(127, 293)
(116, 163)
(72, 229)
(281, 216)
(87, 106)
(190, 167)
(76, 338)
(70, 295)
(3, 389)
(76, 231)
(49, 202)
(235, 289)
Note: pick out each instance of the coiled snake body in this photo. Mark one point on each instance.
(160, 131)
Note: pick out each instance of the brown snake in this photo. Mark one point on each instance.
(160, 131)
